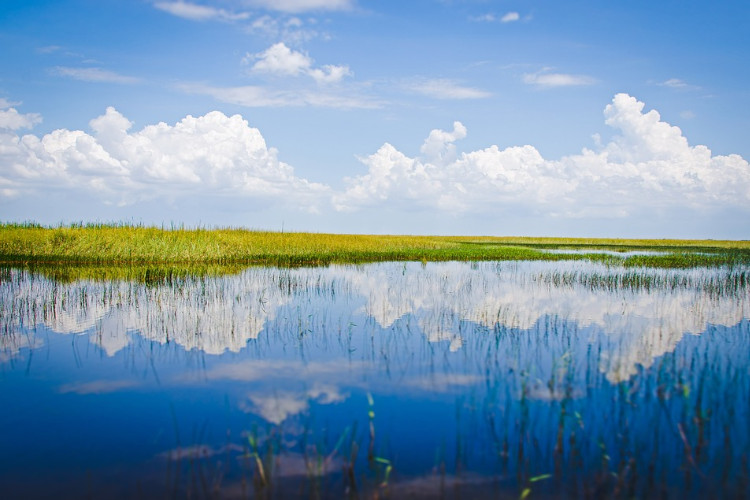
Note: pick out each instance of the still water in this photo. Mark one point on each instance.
(471, 380)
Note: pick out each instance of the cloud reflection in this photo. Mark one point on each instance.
(276, 407)
(98, 387)
(444, 302)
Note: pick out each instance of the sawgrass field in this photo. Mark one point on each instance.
(127, 244)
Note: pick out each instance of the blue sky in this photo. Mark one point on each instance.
(429, 116)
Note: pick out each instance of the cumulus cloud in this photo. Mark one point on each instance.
(207, 155)
(438, 147)
(441, 88)
(545, 79)
(647, 164)
(196, 12)
(96, 75)
(279, 59)
(11, 119)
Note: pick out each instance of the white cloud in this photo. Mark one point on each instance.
(296, 6)
(251, 96)
(438, 147)
(11, 119)
(285, 66)
(445, 89)
(510, 17)
(210, 155)
(197, 12)
(484, 18)
(648, 164)
(259, 97)
(330, 73)
(281, 60)
(265, 24)
(643, 136)
(97, 75)
(292, 30)
(676, 83)
(548, 80)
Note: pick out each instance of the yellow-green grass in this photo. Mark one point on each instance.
(114, 244)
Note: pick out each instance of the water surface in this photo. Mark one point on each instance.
(493, 379)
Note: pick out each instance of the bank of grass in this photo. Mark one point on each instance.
(123, 244)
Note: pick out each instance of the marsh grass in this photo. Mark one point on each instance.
(137, 245)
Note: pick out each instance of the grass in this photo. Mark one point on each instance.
(123, 244)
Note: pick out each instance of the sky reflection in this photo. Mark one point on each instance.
(215, 315)
(489, 372)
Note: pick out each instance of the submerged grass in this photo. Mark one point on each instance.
(123, 244)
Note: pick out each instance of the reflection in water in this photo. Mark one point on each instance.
(402, 378)
(219, 314)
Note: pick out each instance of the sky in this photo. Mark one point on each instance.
(456, 117)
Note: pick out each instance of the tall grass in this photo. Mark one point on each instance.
(124, 244)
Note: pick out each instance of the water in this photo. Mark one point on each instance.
(601, 251)
(509, 379)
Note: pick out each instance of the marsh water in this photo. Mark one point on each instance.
(471, 380)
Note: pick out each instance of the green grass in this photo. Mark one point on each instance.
(122, 244)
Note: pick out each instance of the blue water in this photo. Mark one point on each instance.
(462, 380)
